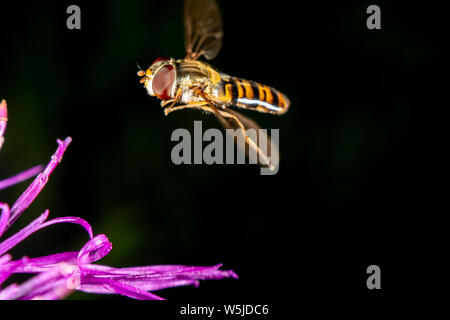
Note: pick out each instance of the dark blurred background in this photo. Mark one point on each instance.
(345, 196)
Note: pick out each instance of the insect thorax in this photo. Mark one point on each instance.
(196, 74)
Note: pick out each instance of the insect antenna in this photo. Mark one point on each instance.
(140, 72)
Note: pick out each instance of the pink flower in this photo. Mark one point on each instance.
(57, 275)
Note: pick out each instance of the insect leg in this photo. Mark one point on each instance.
(213, 109)
(172, 101)
(200, 105)
(197, 105)
(252, 144)
(221, 114)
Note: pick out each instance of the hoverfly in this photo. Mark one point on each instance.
(190, 83)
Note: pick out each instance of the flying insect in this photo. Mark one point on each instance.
(190, 83)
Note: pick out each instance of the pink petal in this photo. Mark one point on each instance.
(111, 286)
(4, 217)
(20, 177)
(41, 264)
(94, 250)
(74, 220)
(22, 234)
(3, 120)
(38, 224)
(38, 184)
(28, 287)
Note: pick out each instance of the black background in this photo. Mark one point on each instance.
(348, 193)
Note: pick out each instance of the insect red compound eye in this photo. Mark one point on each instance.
(163, 81)
(160, 59)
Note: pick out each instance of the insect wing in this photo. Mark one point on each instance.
(202, 28)
(251, 139)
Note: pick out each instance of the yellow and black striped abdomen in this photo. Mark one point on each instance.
(252, 95)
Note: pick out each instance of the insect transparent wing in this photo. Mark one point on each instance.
(202, 28)
(251, 139)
